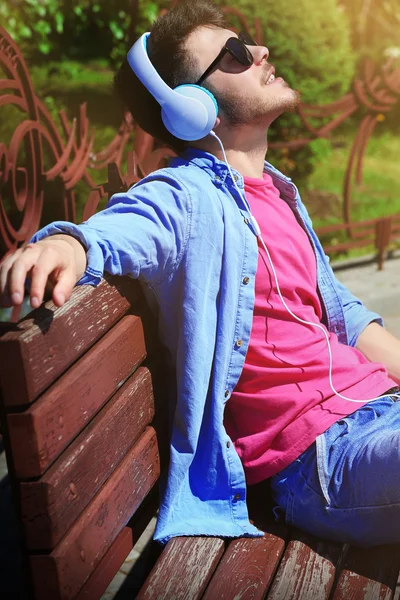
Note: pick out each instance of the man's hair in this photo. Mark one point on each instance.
(166, 48)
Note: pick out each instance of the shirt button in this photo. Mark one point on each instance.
(239, 343)
(236, 497)
(246, 220)
(246, 280)
(228, 444)
(226, 393)
(235, 177)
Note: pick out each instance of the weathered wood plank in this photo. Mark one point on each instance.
(183, 569)
(46, 342)
(108, 566)
(50, 506)
(41, 433)
(307, 570)
(112, 561)
(246, 569)
(369, 574)
(62, 574)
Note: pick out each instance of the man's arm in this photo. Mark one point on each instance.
(141, 233)
(378, 345)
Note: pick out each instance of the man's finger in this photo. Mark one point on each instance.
(12, 295)
(45, 275)
(65, 284)
(5, 266)
(41, 262)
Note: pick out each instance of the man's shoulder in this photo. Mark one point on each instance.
(181, 177)
(178, 168)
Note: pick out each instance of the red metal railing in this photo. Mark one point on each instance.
(72, 159)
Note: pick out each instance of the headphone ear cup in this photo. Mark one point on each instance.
(197, 118)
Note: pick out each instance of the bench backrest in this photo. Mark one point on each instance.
(77, 409)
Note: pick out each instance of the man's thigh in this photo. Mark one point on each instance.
(346, 486)
(358, 457)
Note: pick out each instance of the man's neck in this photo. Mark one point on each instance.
(245, 154)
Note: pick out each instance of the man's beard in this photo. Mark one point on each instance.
(254, 111)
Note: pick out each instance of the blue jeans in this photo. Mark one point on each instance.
(346, 486)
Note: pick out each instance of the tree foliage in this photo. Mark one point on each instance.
(77, 29)
(375, 26)
(309, 44)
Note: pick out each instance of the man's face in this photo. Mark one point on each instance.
(243, 94)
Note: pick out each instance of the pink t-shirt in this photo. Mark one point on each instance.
(283, 399)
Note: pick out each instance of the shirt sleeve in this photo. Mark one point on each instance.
(356, 315)
(141, 232)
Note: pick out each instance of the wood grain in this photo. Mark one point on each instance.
(62, 574)
(41, 433)
(50, 506)
(307, 570)
(108, 566)
(46, 342)
(183, 569)
(369, 574)
(246, 569)
(112, 561)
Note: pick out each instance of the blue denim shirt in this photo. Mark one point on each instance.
(184, 231)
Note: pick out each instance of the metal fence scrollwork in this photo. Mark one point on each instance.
(22, 165)
(38, 153)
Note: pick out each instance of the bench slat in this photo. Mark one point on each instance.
(369, 574)
(246, 569)
(109, 565)
(44, 344)
(184, 569)
(41, 433)
(51, 505)
(112, 561)
(307, 570)
(62, 574)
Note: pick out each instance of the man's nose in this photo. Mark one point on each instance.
(260, 53)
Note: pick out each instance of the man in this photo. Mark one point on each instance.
(253, 396)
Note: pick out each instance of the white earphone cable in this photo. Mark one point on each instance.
(259, 237)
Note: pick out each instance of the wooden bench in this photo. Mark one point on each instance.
(83, 406)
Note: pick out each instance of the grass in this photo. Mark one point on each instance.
(378, 195)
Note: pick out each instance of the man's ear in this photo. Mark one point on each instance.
(217, 122)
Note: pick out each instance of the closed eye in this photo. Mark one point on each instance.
(230, 64)
(229, 59)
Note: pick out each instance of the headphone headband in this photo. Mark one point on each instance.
(188, 112)
(142, 66)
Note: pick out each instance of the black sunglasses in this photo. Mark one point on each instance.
(237, 47)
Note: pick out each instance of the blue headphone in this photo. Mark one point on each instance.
(189, 111)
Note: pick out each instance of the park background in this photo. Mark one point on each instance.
(73, 47)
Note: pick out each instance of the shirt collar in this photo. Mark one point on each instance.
(218, 170)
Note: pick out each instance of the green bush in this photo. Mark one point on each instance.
(375, 26)
(309, 44)
(78, 29)
(308, 41)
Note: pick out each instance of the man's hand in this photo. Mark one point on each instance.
(54, 264)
